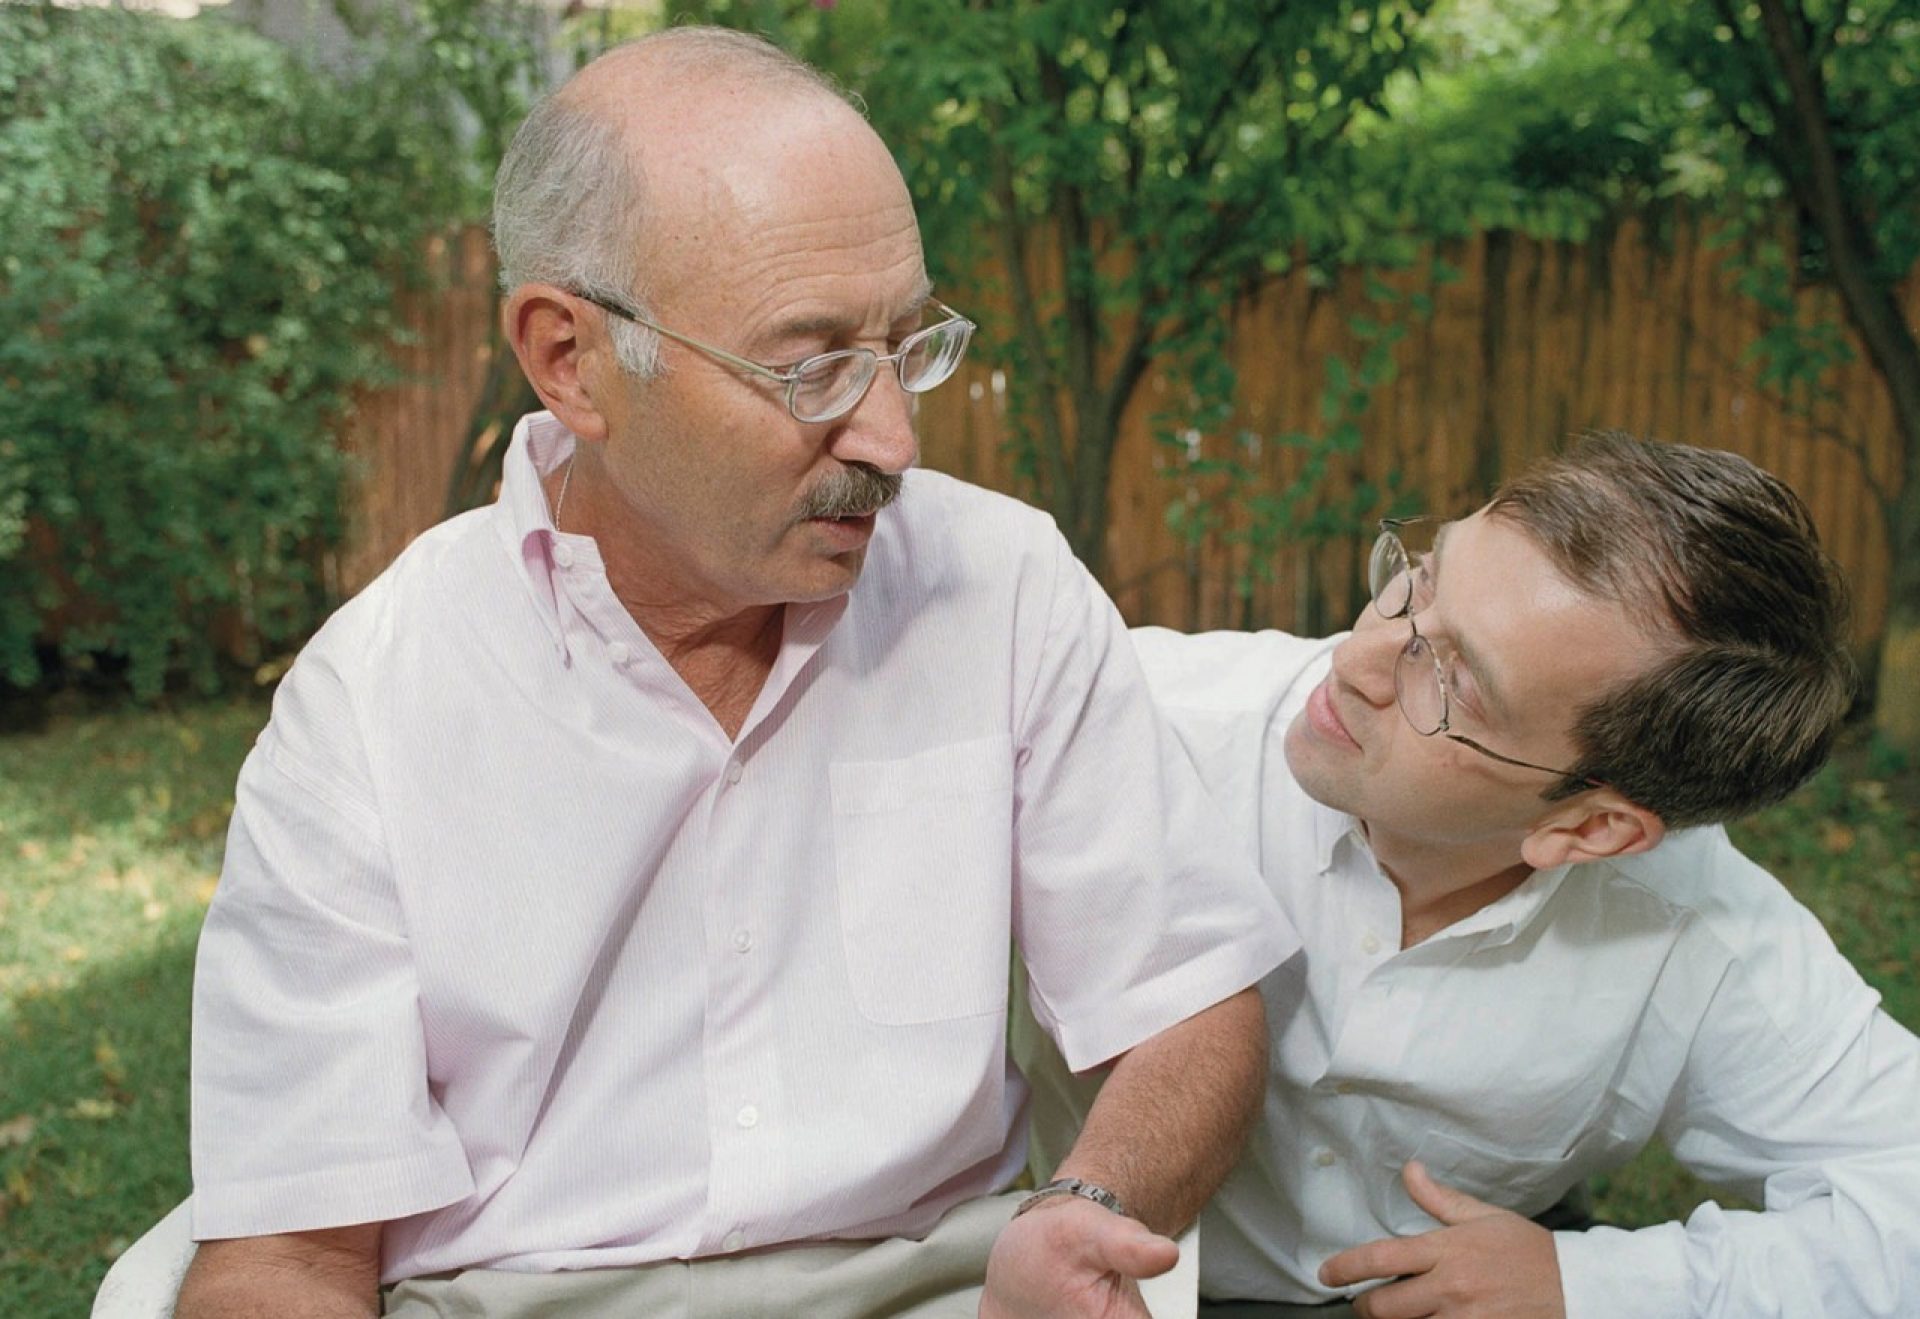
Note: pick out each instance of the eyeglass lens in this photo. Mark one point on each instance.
(1421, 686)
(1387, 575)
(830, 385)
(1419, 680)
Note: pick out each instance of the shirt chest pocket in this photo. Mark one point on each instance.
(1525, 1181)
(923, 854)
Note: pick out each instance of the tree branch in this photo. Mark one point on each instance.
(1851, 250)
(1052, 473)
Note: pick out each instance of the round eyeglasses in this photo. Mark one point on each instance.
(827, 386)
(1402, 585)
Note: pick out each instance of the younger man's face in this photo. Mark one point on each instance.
(1526, 650)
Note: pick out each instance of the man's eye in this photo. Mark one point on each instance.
(1461, 684)
(1422, 579)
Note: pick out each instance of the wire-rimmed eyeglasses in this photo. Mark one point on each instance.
(828, 386)
(1422, 677)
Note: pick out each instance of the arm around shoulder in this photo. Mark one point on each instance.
(333, 1273)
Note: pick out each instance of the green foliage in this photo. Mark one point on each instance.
(202, 242)
(1163, 158)
(1251, 514)
(1548, 133)
(479, 61)
(1866, 54)
(1741, 104)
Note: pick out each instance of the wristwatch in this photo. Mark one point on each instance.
(1100, 1195)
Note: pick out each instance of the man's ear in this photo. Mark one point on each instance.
(550, 334)
(1595, 825)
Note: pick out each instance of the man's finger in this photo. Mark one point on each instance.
(1133, 1250)
(1389, 1257)
(1443, 1202)
(1415, 1298)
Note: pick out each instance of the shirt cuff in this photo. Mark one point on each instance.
(338, 1197)
(1145, 1010)
(1606, 1272)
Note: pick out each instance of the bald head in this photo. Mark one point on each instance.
(666, 117)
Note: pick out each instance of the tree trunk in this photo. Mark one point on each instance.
(1896, 708)
(1876, 315)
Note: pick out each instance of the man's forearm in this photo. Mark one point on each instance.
(1175, 1112)
(330, 1274)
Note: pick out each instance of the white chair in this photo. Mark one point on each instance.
(144, 1280)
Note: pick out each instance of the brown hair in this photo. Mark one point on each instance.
(1722, 559)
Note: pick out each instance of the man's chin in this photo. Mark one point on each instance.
(1310, 767)
(825, 576)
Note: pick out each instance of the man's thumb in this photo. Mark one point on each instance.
(1134, 1250)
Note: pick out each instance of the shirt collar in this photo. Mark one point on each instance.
(523, 517)
(1330, 828)
(1502, 920)
(541, 444)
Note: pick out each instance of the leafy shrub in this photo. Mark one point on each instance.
(200, 243)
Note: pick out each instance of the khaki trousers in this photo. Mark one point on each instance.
(938, 1278)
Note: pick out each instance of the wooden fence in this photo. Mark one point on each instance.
(1641, 329)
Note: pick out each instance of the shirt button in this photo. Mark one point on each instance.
(734, 771)
(734, 1240)
(742, 940)
(563, 554)
(748, 1116)
(619, 653)
(1324, 1158)
(1370, 944)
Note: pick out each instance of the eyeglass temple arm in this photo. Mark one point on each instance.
(1590, 781)
(628, 314)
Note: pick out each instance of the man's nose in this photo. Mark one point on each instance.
(1365, 660)
(879, 430)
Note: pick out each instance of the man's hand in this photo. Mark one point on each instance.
(1070, 1257)
(1485, 1263)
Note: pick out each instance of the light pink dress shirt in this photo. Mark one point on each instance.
(517, 952)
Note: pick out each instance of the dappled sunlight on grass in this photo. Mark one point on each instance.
(112, 826)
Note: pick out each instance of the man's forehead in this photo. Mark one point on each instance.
(1540, 637)
(815, 209)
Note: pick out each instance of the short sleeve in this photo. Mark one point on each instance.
(1134, 907)
(311, 1102)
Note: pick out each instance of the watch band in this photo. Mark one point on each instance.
(1086, 1190)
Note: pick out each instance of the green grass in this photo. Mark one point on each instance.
(111, 828)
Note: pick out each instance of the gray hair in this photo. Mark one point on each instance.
(568, 201)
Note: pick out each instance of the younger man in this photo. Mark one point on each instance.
(1493, 811)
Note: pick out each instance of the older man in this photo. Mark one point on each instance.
(622, 890)
(1492, 811)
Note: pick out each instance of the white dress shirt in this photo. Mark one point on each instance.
(1548, 1037)
(518, 952)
